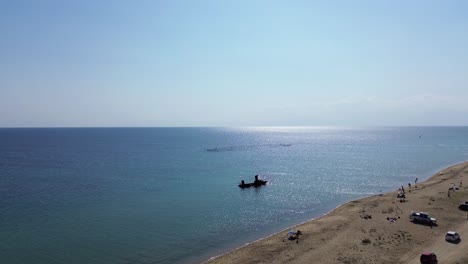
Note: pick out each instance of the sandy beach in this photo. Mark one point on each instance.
(375, 229)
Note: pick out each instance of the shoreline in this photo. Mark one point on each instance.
(283, 230)
(252, 251)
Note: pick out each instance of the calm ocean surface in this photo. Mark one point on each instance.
(155, 195)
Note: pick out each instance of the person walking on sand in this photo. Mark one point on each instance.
(298, 233)
(416, 181)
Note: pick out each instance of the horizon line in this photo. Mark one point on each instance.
(259, 126)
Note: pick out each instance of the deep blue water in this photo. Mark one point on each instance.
(155, 195)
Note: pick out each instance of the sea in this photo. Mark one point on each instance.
(171, 195)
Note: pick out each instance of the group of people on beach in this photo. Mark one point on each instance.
(409, 185)
(401, 193)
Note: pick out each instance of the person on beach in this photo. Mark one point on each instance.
(298, 233)
(416, 181)
(402, 189)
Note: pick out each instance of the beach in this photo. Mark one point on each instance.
(375, 229)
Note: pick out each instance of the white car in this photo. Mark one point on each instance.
(452, 236)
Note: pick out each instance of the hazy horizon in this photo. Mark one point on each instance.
(233, 127)
(233, 63)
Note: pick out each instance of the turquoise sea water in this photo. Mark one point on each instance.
(155, 195)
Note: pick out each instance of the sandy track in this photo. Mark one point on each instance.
(446, 252)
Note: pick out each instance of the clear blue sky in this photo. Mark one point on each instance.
(233, 63)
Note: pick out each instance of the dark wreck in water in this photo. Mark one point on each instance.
(256, 183)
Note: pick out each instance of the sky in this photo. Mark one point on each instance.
(233, 63)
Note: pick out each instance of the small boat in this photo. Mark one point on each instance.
(256, 183)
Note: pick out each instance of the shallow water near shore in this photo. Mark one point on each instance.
(156, 195)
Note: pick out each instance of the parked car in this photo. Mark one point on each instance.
(428, 258)
(452, 236)
(423, 218)
(463, 206)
